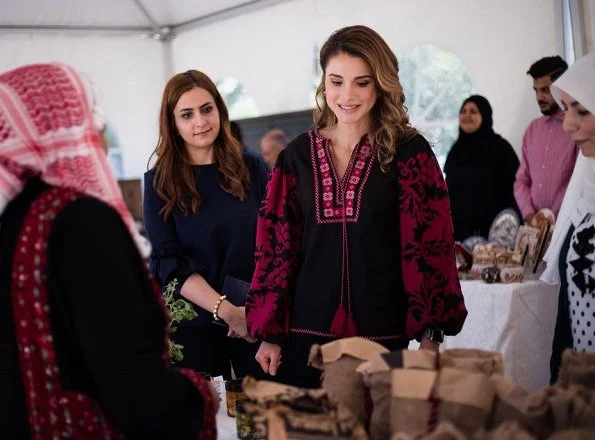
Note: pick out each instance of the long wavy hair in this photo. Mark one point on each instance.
(389, 119)
(174, 180)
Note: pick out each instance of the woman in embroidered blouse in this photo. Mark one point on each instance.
(354, 234)
(200, 209)
(83, 345)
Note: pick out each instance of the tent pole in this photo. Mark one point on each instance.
(168, 62)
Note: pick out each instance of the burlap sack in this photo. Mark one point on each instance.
(475, 361)
(466, 399)
(574, 434)
(577, 369)
(270, 394)
(421, 399)
(339, 360)
(538, 417)
(510, 402)
(573, 408)
(445, 431)
(282, 412)
(543, 412)
(506, 431)
(284, 423)
(554, 409)
(377, 378)
(412, 405)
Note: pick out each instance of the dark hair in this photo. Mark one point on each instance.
(553, 67)
(484, 108)
(277, 136)
(174, 180)
(390, 122)
(236, 131)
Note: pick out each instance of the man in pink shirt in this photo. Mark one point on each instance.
(548, 154)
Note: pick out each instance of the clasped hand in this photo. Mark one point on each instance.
(235, 317)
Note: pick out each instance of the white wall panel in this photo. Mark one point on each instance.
(128, 71)
(270, 51)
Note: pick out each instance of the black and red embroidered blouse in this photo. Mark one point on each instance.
(370, 254)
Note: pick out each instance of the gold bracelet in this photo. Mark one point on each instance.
(216, 309)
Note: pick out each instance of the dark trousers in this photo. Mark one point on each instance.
(209, 350)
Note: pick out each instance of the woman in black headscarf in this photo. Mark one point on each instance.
(480, 170)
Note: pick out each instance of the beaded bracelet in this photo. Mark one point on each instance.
(216, 309)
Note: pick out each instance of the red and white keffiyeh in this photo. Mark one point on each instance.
(46, 130)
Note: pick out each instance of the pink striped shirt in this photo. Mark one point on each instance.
(546, 166)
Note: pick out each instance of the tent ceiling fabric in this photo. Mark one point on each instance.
(115, 14)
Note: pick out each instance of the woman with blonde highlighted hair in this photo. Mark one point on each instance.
(200, 208)
(354, 234)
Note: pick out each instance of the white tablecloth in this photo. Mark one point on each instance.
(517, 320)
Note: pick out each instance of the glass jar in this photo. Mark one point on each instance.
(245, 429)
(233, 393)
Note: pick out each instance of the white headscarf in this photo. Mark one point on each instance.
(579, 82)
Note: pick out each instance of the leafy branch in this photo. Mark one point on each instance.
(179, 310)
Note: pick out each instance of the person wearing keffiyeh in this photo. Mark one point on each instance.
(83, 347)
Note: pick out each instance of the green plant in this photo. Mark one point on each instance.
(179, 310)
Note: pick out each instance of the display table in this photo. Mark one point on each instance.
(517, 320)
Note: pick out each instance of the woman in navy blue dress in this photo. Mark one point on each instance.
(200, 208)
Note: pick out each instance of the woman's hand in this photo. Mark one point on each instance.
(426, 344)
(269, 357)
(235, 317)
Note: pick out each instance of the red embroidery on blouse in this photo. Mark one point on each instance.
(428, 264)
(338, 199)
(430, 279)
(305, 331)
(52, 411)
(277, 256)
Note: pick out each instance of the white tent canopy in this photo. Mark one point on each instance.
(131, 47)
(145, 17)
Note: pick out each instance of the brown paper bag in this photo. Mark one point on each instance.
(577, 369)
(475, 361)
(339, 360)
(377, 377)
